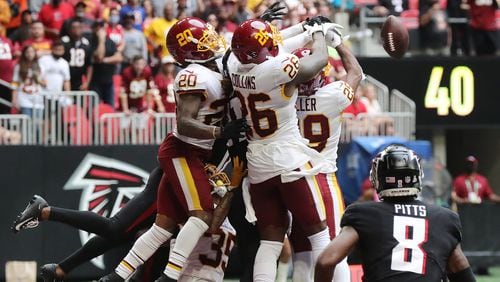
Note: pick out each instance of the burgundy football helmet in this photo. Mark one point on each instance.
(254, 40)
(308, 88)
(192, 40)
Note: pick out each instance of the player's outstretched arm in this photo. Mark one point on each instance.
(458, 267)
(334, 253)
(351, 65)
(311, 65)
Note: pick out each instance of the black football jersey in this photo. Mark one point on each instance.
(408, 241)
(79, 56)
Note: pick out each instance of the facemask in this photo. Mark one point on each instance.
(114, 19)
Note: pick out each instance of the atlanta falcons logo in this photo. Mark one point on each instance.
(107, 185)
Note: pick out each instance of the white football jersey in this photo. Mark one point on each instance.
(275, 144)
(196, 78)
(320, 117)
(210, 256)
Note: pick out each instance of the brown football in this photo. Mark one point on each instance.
(394, 37)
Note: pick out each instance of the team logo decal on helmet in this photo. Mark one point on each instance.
(396, 172)
(255, 40)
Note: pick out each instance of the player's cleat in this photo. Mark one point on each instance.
(49, 274)
(112, 277)
(28, 218)
(164, 278)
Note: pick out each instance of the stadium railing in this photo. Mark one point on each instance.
(15, 130)
(382, 92)
(136, 128)
(381, 124)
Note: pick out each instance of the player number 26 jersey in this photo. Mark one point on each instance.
(197, 79)
(260, 89)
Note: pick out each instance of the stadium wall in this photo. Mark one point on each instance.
(63, 176)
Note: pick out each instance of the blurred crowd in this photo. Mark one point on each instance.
(117, 48)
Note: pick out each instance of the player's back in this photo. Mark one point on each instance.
(408, 241)
(196, 78)
(260, 88)
(320, 117)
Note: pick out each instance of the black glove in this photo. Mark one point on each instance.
(274, 12)
(235, 129)
(317, 20)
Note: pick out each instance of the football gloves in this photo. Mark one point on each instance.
(274, 12)
(235, 129)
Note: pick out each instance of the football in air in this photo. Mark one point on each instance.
(395, 37)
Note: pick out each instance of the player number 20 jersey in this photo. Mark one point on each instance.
(196, 79)
(320, 117)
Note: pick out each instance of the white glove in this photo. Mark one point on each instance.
(331, 26)
(315, 28)
(333, 38)
(220, 191)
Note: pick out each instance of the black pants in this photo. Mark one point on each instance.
(460, 39)
(137, 214)
(6, 94)
(485, 41)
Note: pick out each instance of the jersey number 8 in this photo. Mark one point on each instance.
(408, 254)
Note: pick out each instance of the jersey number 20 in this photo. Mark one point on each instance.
(408, 254)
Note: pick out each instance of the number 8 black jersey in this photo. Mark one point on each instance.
(408, 241)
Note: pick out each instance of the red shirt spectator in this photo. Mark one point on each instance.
(482, 14)
(42, 45)
(472, 187)
(356, 107)
(137, 81)
(164, 81)
(115, 33)
(6, 59)
(53, 15)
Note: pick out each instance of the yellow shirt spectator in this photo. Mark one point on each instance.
(156, 33)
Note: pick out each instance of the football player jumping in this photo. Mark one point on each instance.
(281, 166)
(414, 241)
(184, 192)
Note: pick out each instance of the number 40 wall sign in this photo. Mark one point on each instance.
(448, 92)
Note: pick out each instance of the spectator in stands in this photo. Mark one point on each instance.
(28, 82)
(214, 7)
(242, 12)
(80, 15)
(55, 70)
(460, 33)
(36, 5)
(4, 17)
(190, 8)
(23, 32)
(38, 40)
(368, 193)
(137, 88)
(16, 9)
(93, 8)
(53, 15)
(433, 27)
(78, 53)
(164, 82)
(390, 7)
(483, 26)
(6, 72)
(150, 14)
(105, 59)
(155, 34)
(472, 187)
(135, 42)
(114, 30)
(106, 7)
(357, 106)
(369, 99)
(134, 7)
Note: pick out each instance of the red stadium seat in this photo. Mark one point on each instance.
(359, 3)
(410, 19)
(413, 4)
(75, 120)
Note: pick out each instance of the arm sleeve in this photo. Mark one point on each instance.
(456, 227)
(296, 42)
(351, 217)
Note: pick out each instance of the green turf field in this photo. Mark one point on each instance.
(493, 277)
